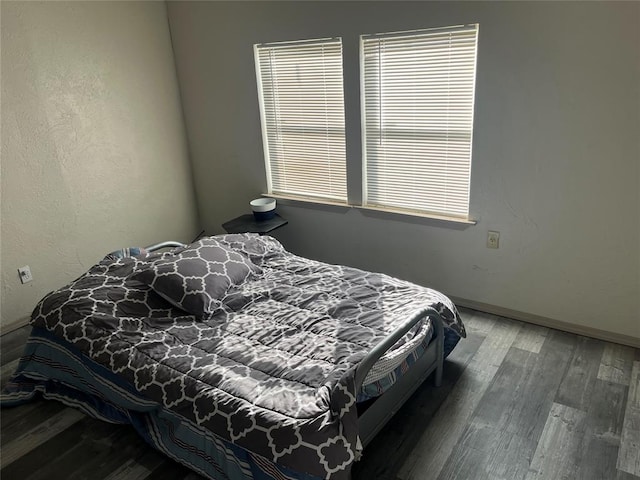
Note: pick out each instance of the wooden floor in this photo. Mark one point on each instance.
(517, 402)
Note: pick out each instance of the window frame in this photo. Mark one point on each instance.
(335, 136)
(366, 129)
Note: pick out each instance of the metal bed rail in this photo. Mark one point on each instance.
(384, 407)
(379, 350)
(161, 245)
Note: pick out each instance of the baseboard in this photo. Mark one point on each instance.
(549, 322)
(15, 325)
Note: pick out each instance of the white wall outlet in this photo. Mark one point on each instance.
(493, 239)
(25, 274)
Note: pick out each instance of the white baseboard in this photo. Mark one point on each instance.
(15, 325)
(549, 322)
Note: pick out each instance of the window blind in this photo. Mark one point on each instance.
(418, 95)
(302, 111)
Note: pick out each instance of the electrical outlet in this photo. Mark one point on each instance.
(493, 239)
(25, 274)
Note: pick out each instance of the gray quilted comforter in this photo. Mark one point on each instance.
(266, 362)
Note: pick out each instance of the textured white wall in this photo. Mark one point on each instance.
(555, 160)
(94, 153)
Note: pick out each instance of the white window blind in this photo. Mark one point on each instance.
(418, 95)
(302, 110)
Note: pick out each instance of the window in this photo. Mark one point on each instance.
(417, 112)
(302, 112)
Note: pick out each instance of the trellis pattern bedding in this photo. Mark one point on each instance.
(56, 370)
(245, 340)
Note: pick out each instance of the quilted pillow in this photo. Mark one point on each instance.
(197, 277)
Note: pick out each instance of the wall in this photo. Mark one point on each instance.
(555, 154)
(94, 154)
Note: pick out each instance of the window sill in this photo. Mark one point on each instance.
(394, 211)
(412, 213)
(312, 200)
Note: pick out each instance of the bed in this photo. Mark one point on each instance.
(236, 357)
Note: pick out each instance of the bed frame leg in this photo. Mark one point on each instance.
(439, 350)
(437, 381)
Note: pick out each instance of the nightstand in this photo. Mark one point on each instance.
(248, 224)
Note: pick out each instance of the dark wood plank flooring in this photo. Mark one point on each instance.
(518, 401)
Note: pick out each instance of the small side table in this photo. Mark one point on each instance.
(248, 224)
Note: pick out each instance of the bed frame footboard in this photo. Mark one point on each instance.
(384, 407)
